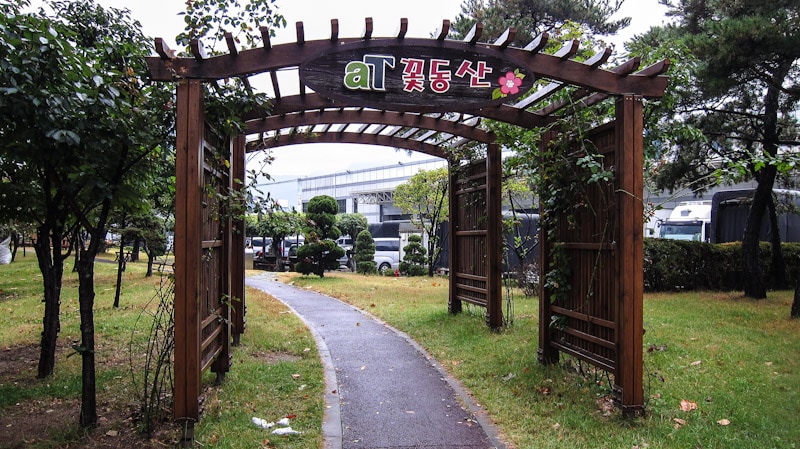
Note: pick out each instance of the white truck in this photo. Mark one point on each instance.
(690, 220)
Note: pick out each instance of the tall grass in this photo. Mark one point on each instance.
(738, 360)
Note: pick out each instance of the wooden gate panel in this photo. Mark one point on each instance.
(598, 317)
(215, 291)
(201, 254)
(475, 251)
(582, 321)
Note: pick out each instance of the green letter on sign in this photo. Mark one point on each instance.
(356, 75)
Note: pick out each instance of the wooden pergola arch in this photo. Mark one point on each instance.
(209, 251)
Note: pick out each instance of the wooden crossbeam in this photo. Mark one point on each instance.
(163, 50)
(506, 38)
(231, 43)
(265, 37)
(474, 34)
(334, 30)
(301, 34)
(599, 58)
(539, 95)
(368, 28)
(196, 47)
(656, 69)
(273, 75)
(441, 33)
(402, 29)
(568, 50)
(538, 43)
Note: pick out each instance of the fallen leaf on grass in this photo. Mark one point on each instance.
(688, 406)
(679, 422)
(544, 390)
(696, 362)
(724, 422)
(295, 376)
(606, 406)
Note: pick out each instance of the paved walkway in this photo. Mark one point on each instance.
(383, 391)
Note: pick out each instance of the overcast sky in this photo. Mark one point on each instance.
(160, 18)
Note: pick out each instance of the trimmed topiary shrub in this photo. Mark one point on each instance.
(414, 261)
(365, 253)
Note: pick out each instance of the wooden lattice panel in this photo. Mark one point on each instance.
(586, 325)
(475, 251)
(598, 319)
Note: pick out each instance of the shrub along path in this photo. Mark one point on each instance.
(383, 390)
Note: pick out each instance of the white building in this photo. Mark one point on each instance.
(369, 191)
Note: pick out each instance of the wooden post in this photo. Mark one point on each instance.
(454, 305)
(494, 244)
(628, 388)
(188, 246)
(546, 354)
(237, 243)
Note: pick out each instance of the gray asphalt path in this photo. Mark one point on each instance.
(383, 391)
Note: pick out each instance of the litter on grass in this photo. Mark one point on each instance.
(285, 429)
(263, 423)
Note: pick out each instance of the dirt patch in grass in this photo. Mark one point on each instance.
(271, 358)
(53, 422)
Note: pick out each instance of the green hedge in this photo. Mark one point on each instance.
(671, 265)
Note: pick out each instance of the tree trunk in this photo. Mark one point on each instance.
(795, 313)
(150, 258)
(753, 282)
(276, 248)
(14, 245)
(778, 262)
(137, 244)
(88, 376)
(51, 264)
(120, 269)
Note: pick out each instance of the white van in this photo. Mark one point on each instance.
(387, 253)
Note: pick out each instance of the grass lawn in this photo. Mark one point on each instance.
(737, 360)
(276, 372)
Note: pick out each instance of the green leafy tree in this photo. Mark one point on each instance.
(425, 197)
(351, 224)
(365, 253)
(414, 260)
(744, 99)
(320, 252)
(533, 17)
(278, 225)
(79, 128)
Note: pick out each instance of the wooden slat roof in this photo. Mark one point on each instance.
(309, 117)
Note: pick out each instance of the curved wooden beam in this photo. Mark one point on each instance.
(313, 101)
(341, 116)
(348, 137)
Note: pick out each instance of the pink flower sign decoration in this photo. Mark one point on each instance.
(509, 84)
